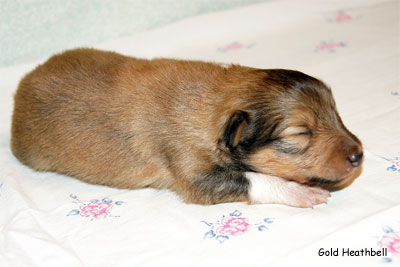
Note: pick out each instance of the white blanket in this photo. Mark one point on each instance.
(48, 219)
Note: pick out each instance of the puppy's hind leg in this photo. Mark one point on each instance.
(271, 189)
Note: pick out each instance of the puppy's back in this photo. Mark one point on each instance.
(110, 119)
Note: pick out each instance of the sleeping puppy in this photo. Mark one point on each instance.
(210, 133)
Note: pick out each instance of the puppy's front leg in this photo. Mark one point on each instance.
(271, 189)
(218, 185)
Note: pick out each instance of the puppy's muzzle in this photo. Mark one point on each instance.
(347, 164)
(353, 154)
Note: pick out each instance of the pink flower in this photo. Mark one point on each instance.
(343, 17)
(233, 226)
(95, 210)
(234, 46)
(328, 46)
(390, 241)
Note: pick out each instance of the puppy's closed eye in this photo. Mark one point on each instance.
(293, 140)
(308, 133)
(293, 131)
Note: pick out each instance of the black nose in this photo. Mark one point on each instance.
(355, 160)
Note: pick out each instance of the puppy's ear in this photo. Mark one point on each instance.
(236, 129)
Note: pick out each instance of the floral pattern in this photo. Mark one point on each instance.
(395, 93)
(394, 164)
(343, 16)
(390, 239)
(233, 47)
(233, 225)
(94, 209)
(330, 46)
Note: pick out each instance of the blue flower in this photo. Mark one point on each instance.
(106, 200)
(387, 229)
(262, 228)
(210, 234)
(268, 220)
(119, 202)
(222, 238)
(73, 213)
(94, 200)
(73, 196)
(207, 223)
(236, 213)
(386, 259)
(392, 168)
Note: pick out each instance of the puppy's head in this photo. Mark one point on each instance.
(288, 126)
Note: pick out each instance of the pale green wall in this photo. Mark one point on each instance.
(31, 29)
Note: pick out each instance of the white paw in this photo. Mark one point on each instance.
(272, 189)
(303, 196)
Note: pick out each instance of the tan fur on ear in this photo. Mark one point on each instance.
(241, 130)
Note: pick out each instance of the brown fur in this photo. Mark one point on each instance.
(131, 123)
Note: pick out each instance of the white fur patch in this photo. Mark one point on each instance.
(271, 189)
